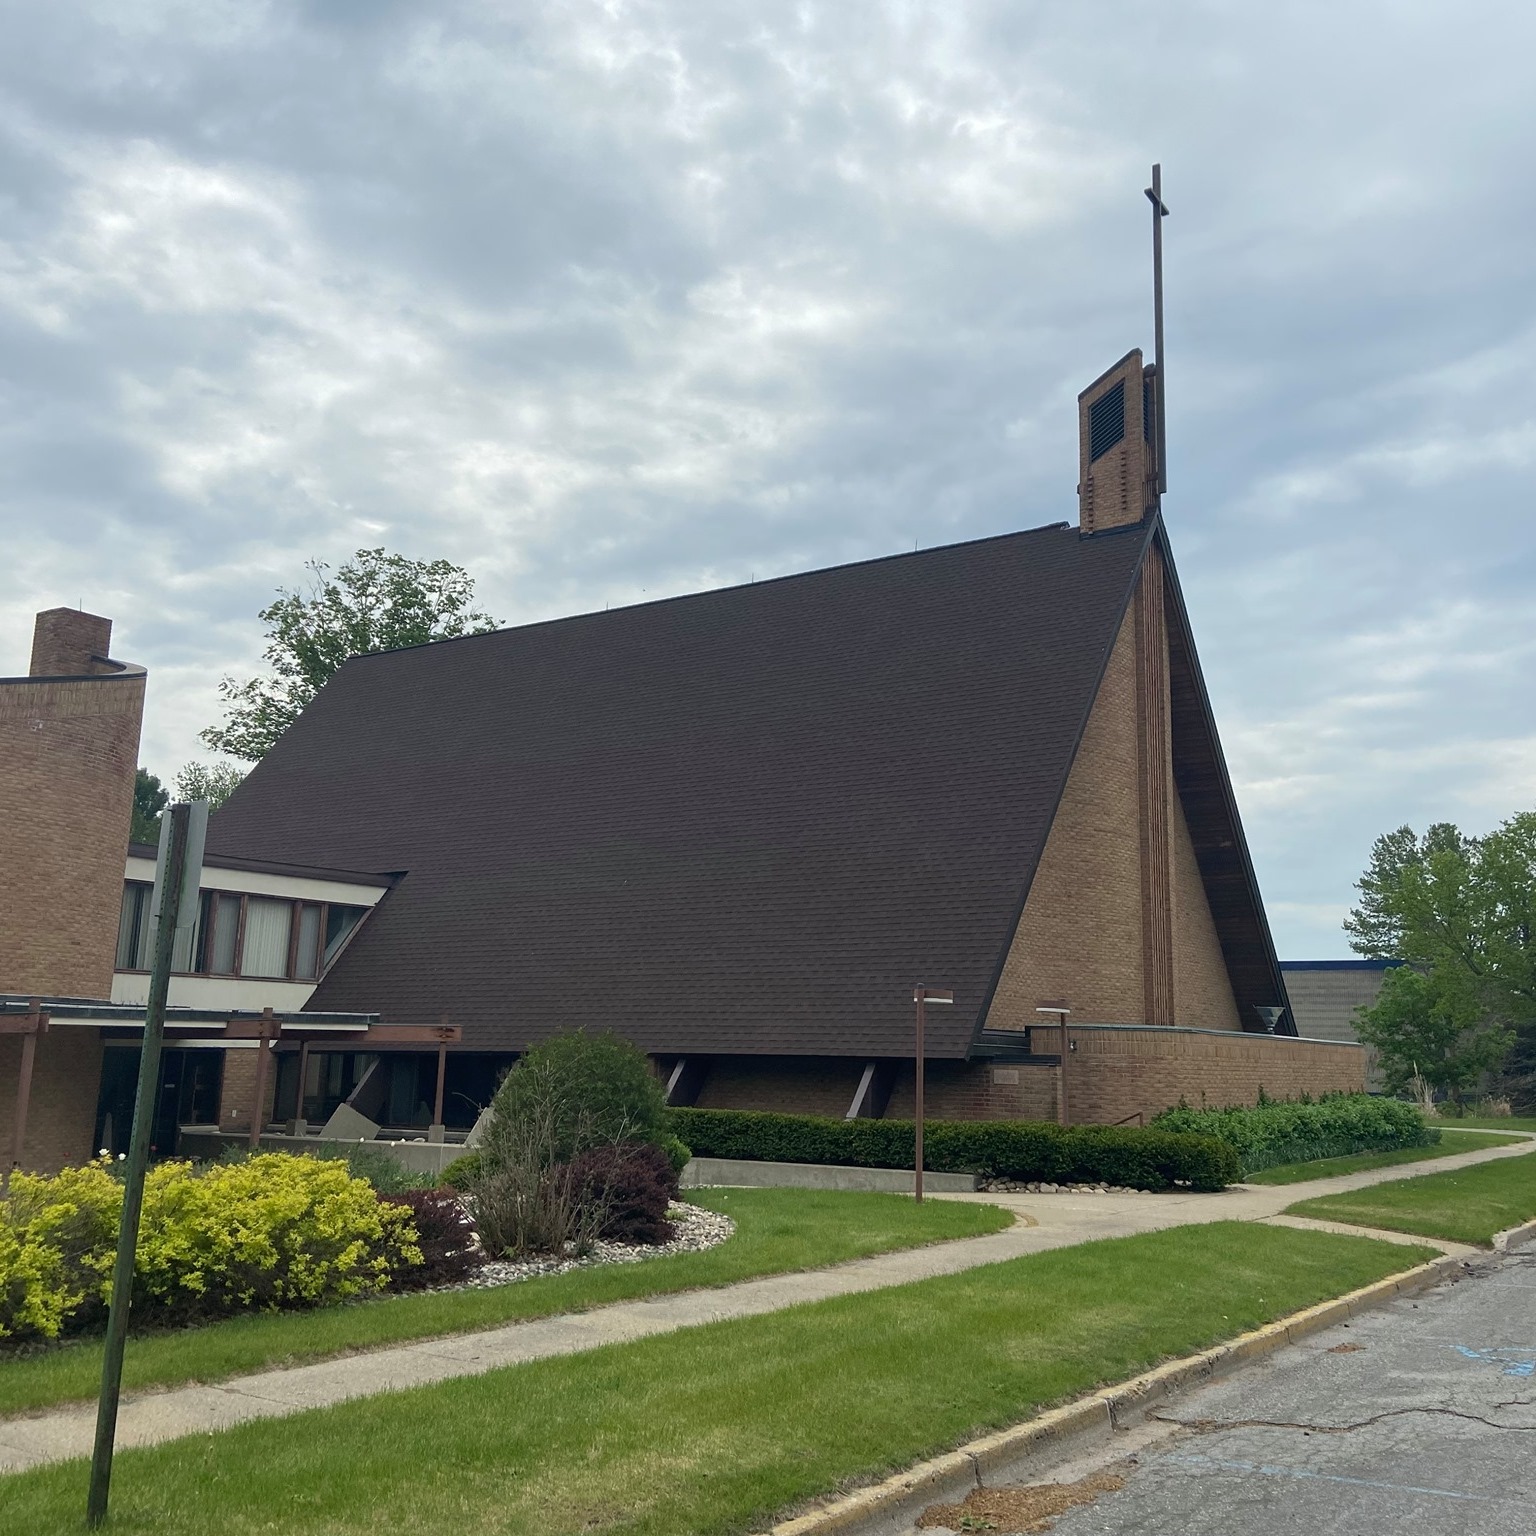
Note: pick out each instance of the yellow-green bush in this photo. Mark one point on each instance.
(276, 1231)
(57, 1237)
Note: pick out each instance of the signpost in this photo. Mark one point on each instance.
(174, 912)
(922, 995)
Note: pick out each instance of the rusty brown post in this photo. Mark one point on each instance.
(922, 996)
(917, 1101)
(442, 1072)
(1062, 1012)
(36, 1023)
(298, 1107)
(268, 1028)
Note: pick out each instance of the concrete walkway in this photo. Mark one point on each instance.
(1046, 1221)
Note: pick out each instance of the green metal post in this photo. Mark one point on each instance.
(138, 1160)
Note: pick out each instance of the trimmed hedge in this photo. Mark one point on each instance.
(1302, 1130)
(1000, 1149)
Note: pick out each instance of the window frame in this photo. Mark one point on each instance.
(211, 901)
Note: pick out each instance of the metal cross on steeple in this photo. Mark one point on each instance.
(1159, 213)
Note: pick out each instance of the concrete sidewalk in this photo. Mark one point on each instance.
(1046, 1221)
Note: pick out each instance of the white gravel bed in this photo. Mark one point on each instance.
(697, 1230)
(1018, 1187)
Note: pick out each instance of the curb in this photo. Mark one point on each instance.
(1065, 1430)
(1515, 1237)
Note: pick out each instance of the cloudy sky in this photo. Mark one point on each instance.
(609, 301)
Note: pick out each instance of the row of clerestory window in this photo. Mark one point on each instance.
(238, 934)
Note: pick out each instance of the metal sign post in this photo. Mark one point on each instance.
(174, 909)
(922, 995)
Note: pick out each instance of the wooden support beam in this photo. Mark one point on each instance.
(686, 1080)
(269, 1028)
(442, 1072)
(29, 1028)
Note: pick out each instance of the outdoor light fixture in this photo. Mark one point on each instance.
(1062, 1011)
(922, 996)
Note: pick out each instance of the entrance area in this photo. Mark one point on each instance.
(190, 1082)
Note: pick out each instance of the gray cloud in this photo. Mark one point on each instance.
(623, 299)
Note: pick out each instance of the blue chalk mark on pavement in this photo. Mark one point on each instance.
(1514, 1362)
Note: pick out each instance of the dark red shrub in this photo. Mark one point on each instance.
(634, 1183)
(450, 1251)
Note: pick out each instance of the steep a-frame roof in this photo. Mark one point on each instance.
(745, 821)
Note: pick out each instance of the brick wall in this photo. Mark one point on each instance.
(1202, 988)
(1080, 937)
(792, 1085)
(240, 1088)
(68, 750)
(973, 1090)
(69, 643)
(62, 1115)
(1115, 1073)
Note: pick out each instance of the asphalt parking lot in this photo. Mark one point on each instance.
(1421, 1416)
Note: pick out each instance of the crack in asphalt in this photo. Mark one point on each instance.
(1210, 1426)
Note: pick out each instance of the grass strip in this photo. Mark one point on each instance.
(1451, 1143)
(1486, 1122)
(777, 1231)
(715, 1428)
(1465, 1205)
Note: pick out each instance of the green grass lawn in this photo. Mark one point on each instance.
(713, 1429)
(777, 1230)
(1450, 1143)
(1468, 1205)
(1489, 1122)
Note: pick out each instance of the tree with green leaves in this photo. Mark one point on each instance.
(376, 601)
(213, 782)
(1462, 912)
(1421, 1030)
(149, 800)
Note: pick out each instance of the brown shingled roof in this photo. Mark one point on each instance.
(739, 822)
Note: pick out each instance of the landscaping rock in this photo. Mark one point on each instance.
(1020, 1187)
(697, 1230)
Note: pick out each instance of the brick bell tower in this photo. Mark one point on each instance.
(1122, 473)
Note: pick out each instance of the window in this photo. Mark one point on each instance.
(339, 923)
(306, 962)
(218, 933)
(134, 933)
(268, 923)
(238, 935)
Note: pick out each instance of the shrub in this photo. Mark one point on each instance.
(589, 1090)
(1301, 1130)
(445, 1234)
(387, 1174)
(1009, 1149)
(525, 1206)
(679, 1153)
(273, 1231)
(58, 1239)
(462, 1173)
(629, 1187)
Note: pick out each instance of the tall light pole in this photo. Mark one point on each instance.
(922, 995)
(1062, 1013)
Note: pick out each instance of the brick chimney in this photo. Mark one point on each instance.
(1117, 446)
(69, 643)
